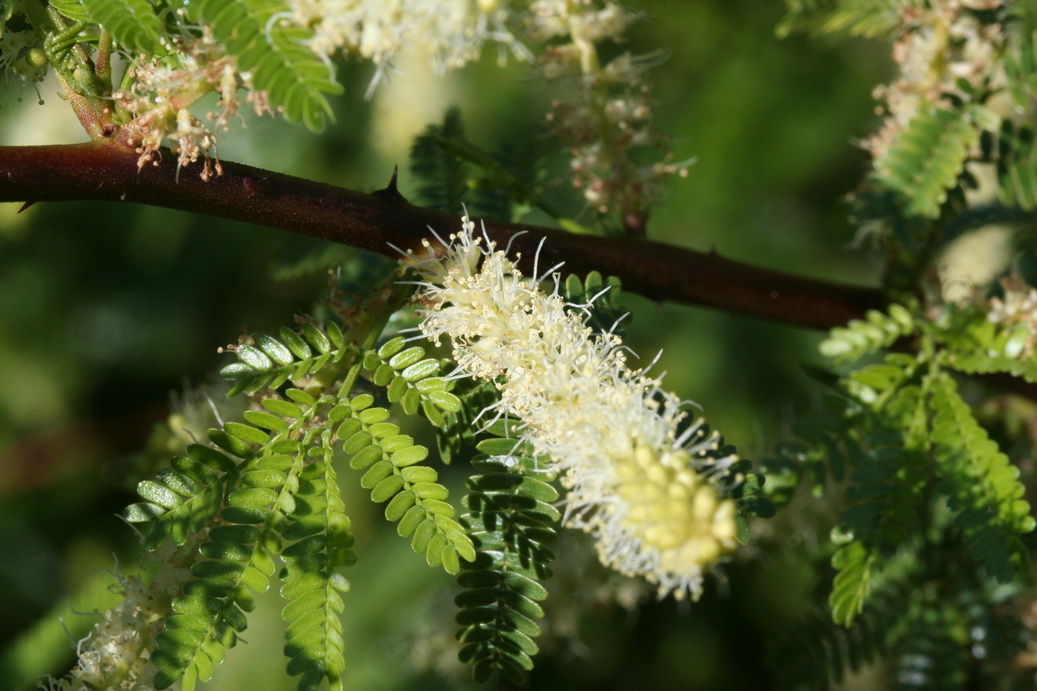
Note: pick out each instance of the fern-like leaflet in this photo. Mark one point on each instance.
(926, 158)
(869, 18)
(1013, 151)
(181, 500)
(241, 550)
(875, 332)
(981, 482)
(411, 492)
(311, 584)
(511, 520)
(133, 23)
(293, 77)
(975, 345)
(412, 380)
(269, 362)
(887, 493)
(818, 653)
(443, 176)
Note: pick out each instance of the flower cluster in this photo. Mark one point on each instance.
(1017, 306)
(608, 113)
(22, 60)
(940, 45)
(116, 653)
(452, 33)
(650, 484)
(161, 95)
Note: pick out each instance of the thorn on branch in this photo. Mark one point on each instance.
(391, 191)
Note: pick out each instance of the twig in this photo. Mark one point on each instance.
(98, 171)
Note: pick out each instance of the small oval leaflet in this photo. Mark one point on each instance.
(407, 357)
(158, 494)
(420, 370)
(282, 408)
(409, 456)
(274, 349)
(391, 347)
(254, 357)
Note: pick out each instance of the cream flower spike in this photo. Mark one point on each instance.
(652, 487)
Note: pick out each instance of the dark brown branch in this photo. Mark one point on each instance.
(100, 172)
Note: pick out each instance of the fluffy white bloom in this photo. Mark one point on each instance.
(453, 32)
(642, 478)
(116, 653)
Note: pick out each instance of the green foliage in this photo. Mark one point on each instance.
(270, 494)
(982, 485)
(870, 18)
(604, 294)
(269, 362)
(412, 380)
(293, 77)
(751, 499)
(511, 520)
(1021, 68)
(932, 658)
(860, 337)
(926, 158)
(311, 585)
(459, 432)
(259, 506)
(930, 543)
(77, 12)
(442, 176)
(915, 450)
(973, 344)
(181, 500)
(412, 496)
(817, 653)
(825, 444)
(132, 23)
(1014, 153)
(887, 492)
(452, 170)
(934, 634)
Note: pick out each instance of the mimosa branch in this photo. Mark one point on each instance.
(98, 171)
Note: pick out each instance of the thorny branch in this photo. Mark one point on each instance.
(98, 171)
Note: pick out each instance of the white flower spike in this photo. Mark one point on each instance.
(649, 484)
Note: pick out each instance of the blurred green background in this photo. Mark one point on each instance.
(105, 309)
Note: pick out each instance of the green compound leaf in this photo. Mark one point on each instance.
(73, 9)
(311, 584)
(208, 616)
(181, 501)
(975, 345)
(1013, 150)
(1020, 63)
(981, 482)
(861, 337)
(511, 522)
(442, 176)
(132, 23)
(239, 560)
(411, 492)
(818, 653)
(853, 564)
(926, 159)
(275, 53)
(412, 380)
(868, 18)
(272, 361)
